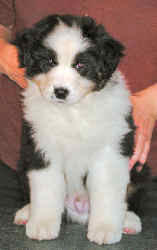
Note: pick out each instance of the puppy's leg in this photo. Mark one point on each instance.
(107, 183)
(47, 203)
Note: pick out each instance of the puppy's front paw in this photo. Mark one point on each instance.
(103, 234)
(42, 229)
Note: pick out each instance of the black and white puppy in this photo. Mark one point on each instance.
(78, 130)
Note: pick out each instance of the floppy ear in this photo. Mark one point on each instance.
(25, 43)
(33, 56)
(89, 27)
(30, 47)
(111, 51)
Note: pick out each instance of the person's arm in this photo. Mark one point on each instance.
(9, 63)
(145, 115)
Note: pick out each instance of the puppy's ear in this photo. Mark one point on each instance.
(111, 51)
(33, 55)
(25, 42)
(89, 27)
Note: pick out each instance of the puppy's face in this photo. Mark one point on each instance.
(64, 82)
(68, 57)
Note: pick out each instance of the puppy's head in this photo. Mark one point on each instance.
(68, 57)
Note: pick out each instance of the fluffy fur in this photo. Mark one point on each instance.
(77, 126)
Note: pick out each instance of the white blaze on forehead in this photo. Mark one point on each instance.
(67, 42)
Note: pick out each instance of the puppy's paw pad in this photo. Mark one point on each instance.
(20, 222)
(129, 231)
(42, 229)
(132, 224)
(22, 216)
(103, 235)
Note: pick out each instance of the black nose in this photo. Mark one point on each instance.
(61, 93)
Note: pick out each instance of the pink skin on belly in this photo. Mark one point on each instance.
(78, 204)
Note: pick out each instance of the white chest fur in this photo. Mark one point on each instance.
(73, 134)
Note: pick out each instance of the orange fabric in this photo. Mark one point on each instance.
(9, 63)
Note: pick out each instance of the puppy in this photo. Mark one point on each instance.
(77, 130)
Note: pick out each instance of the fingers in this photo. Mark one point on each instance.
(144, 154)
(148, 136)
(144, 114)
(148, 130)
(139, 142)
(11, 68)
(142, 140)
(19, 78)
(5, 33)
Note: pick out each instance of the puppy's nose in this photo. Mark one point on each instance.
(61, 93)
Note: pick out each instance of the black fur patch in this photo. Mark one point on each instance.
(127, 143)
(89, 68)
(33, 159)
(140, 182)
(33, 55)
(30, 158)
(102, 58)
(99, 61)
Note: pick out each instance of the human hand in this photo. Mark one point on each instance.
(9, 63)
(145, 115)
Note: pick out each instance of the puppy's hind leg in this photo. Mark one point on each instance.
(132, 223)
(22, 215)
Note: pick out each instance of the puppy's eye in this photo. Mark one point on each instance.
(51, 62)
(79, 65)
